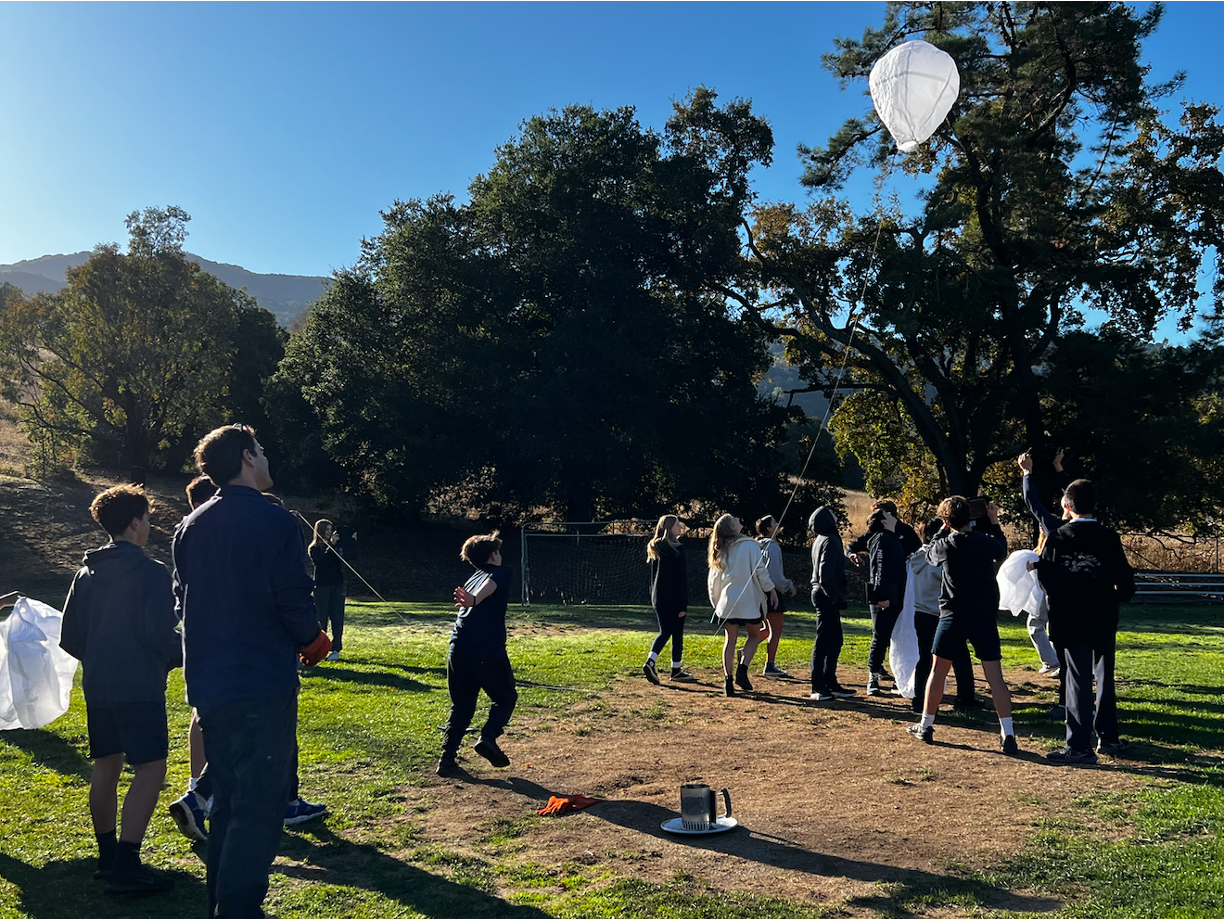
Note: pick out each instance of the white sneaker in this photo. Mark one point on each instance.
(1050, 670)
(333, 656)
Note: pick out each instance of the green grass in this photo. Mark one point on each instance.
(369, 732)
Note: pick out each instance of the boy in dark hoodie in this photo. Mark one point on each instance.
(829, 599)
(119, 622)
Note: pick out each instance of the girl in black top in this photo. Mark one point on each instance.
(325, 553)
(668, 596)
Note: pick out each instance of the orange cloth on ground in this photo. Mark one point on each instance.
(559, 805)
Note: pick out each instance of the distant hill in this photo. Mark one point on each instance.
(285, 296)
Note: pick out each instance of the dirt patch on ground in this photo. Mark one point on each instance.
(836, 803)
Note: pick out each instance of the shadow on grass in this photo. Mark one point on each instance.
(51, 751)
(66, 888)
(905, 885)
(332, 860)
(373, 678)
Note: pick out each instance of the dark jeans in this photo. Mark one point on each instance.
(251, 750)
(204, 783)
(882, 623)
(1086, 664)
(828, 645)
(329, 602)
(671, 626)
(466, 676)
(962, 664)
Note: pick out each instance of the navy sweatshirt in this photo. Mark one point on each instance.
(1086, 575)
(886, 570)
(828, 559)
(241, 586)
(968, 559)
(119, 623)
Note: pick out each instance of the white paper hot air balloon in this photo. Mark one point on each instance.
(913, 88)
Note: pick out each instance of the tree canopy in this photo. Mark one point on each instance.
(138, 355)
(1056, 195)
(563, 339)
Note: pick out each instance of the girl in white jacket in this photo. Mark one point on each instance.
(738, 584)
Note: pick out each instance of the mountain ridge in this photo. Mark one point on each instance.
(285, 296)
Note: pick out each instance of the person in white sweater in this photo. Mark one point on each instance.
(738, 584)
(767, 529)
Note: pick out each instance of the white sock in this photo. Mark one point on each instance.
(677, 665)
(928, 719)
(1005, 726)
(654, 656)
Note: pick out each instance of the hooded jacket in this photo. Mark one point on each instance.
(928, 581)
(886, 570)
(119, 622)
(828, 559)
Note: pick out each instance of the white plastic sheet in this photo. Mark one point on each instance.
(1019, 590)
(35, 673)
(903, 650)
(913, 88)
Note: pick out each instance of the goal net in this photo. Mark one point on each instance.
(586, 562)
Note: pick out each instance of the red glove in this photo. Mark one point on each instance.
(316, 651)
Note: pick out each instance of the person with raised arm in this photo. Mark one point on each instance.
(1086, 575)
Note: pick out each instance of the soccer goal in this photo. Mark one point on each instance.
(586, 562)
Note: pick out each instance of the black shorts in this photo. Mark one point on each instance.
(136, 730)
(759, 621)
(982, 632)
(781, 606)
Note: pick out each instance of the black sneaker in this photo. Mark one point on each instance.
(741, 677)
(1010, 746)
(842, 693)
(1058, 712)
(969, 704)
(681, 676)
(1117, 746)
(651, 672)
(140, 880)
(728, 687)
(447, 766)
(884, 675)
(488, 749)
(926, 735)
(1064, 755)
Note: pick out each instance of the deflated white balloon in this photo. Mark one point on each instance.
(913, 88)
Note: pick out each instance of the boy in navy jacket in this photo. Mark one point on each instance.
(119, 622)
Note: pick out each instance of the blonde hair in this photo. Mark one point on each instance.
(721, 538)
(318, 537)
(662, 535)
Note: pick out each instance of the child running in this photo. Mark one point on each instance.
(669, 595)
(478, 659)
(738, 585)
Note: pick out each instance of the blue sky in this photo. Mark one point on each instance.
(284, 128)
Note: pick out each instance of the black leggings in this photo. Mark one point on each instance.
(671, 626)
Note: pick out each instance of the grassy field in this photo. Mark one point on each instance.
(369, 736)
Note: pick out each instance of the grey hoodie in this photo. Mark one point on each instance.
(119, 622)
(828, 559)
